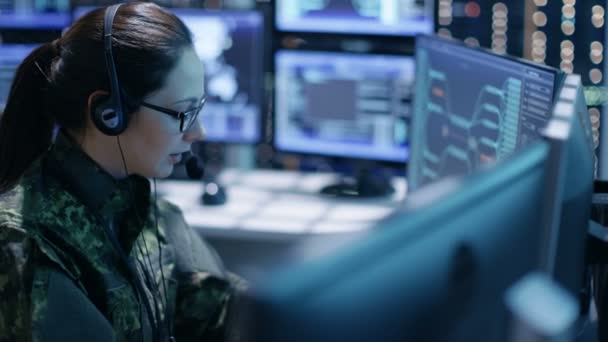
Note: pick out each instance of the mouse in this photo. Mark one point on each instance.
(213, 194)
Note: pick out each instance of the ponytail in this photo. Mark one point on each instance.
(26, 126)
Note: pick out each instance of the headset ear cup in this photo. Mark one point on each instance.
(106, 117)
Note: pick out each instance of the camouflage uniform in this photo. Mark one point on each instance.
(62, 279)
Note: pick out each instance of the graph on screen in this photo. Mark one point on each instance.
(471, 107)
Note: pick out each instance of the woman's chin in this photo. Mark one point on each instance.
(163, 171)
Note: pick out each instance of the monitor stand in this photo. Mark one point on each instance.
(214, 193)
(365, 184)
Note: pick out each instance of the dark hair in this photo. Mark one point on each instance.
(53, 84)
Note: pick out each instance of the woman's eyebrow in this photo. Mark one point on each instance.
(189, 99)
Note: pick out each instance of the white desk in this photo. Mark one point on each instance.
(271, 204)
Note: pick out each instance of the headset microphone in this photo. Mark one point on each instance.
(194, 168)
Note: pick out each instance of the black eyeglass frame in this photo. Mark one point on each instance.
(177, 114)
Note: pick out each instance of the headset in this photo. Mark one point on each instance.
(108, 114)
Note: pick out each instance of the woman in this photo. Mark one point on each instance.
(87, 252)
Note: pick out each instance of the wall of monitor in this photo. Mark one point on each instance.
(320, 84)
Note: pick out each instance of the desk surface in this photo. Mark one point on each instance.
(277, 204)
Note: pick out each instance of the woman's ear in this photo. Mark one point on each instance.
(96, 98)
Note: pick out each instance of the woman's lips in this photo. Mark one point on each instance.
(175, 157)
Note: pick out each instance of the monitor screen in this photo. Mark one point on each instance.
(34, 15)
(230, 46)
(343, 105)
(10, 58)
(387, 17)
(471, 107)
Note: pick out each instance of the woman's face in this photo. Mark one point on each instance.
(153, 142)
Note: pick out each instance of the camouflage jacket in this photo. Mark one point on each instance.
(63, 279)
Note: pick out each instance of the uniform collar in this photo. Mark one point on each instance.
(98, 190)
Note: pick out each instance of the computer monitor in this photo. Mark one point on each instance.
(346, 105)
(435, 271)
(472, 106)
(34, 15)
(11, 57)
(565, 256)
(230, 45)
(387, 17)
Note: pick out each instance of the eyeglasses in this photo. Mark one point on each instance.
(186, 119)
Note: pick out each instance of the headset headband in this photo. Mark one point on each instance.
(115, 99)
